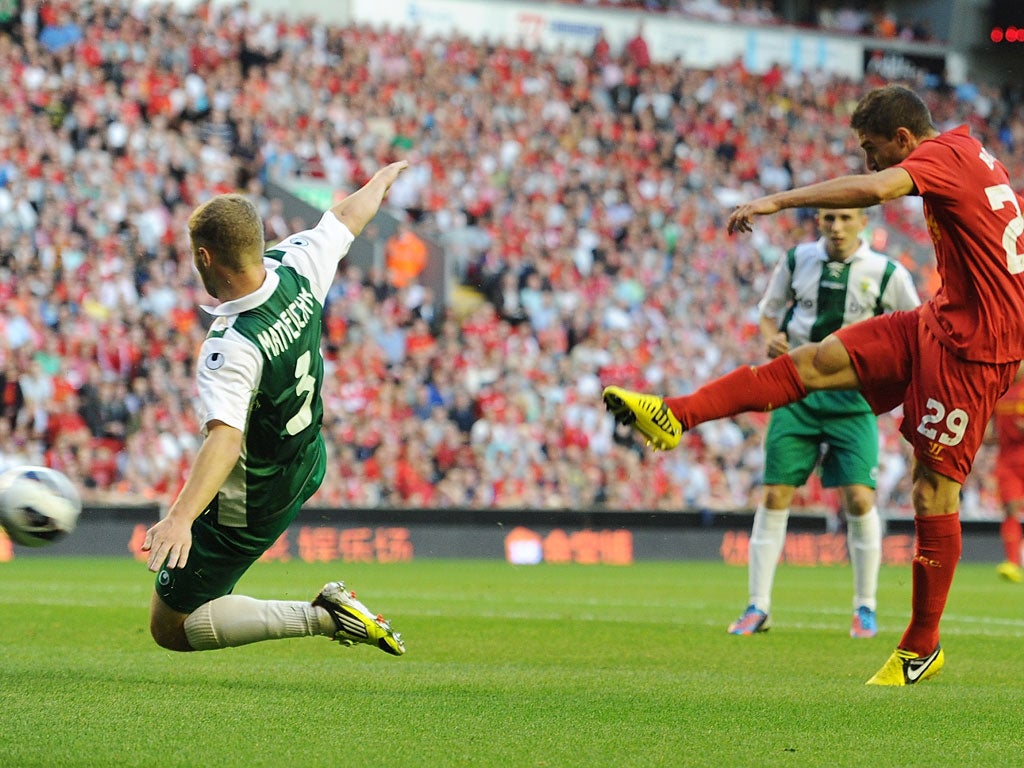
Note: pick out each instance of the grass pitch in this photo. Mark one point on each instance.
(507, 666)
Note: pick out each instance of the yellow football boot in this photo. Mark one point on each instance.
(907, 668)
(1011, 572)
(355, 622)
(648, 414)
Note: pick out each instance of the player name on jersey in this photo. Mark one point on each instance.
(277, 337)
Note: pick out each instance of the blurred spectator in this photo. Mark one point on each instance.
(405, 255)
(59, 29)
(637, 52)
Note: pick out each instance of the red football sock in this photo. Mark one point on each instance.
(938, 549)
(749, 388)
(1011, 534)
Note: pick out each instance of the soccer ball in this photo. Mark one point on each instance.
(38, 505)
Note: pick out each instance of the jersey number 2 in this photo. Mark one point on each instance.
(1000, 196)
(304, 386)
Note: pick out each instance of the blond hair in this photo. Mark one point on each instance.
(230, 229)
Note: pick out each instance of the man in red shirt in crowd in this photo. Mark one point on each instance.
(946, 363)
(636, 49)
(1009, 425)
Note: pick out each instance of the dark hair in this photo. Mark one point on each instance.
(884, 110)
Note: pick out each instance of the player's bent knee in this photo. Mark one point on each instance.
(824, 365)
(168, 636)
(167, 626)
(832, 364)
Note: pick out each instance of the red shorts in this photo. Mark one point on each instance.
(947, 401)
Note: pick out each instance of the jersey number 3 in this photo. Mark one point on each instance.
(304, 386)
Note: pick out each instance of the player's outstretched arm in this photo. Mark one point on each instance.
(356, 210)
(857, 191)
(171, 537)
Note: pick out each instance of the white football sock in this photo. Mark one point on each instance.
(865, 545)
(234, 620)
(767, 538)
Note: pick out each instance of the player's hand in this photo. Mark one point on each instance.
(390, 172)
(778, 345)
(742, 217)
(171, 538)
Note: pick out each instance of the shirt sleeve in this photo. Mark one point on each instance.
(228, 375)
(315, 253)
(900, 293)
(779, 293)
(935, 170)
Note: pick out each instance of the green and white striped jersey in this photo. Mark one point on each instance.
(260, 370)
(811, 296)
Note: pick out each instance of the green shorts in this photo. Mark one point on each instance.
(799, 436)
(219, 556)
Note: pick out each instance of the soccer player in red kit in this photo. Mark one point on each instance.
(946, 363)
(1009, 425)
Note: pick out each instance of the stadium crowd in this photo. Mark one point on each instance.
(875, 19)
(583, 196)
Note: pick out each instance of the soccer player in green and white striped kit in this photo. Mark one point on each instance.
(259, 374)
(817, 288)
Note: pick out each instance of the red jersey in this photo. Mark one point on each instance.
(974, 218)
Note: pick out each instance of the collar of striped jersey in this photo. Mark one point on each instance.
(254, 299)
(858, 254)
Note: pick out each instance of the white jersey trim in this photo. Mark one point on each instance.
(230, 368)
(315, 253)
